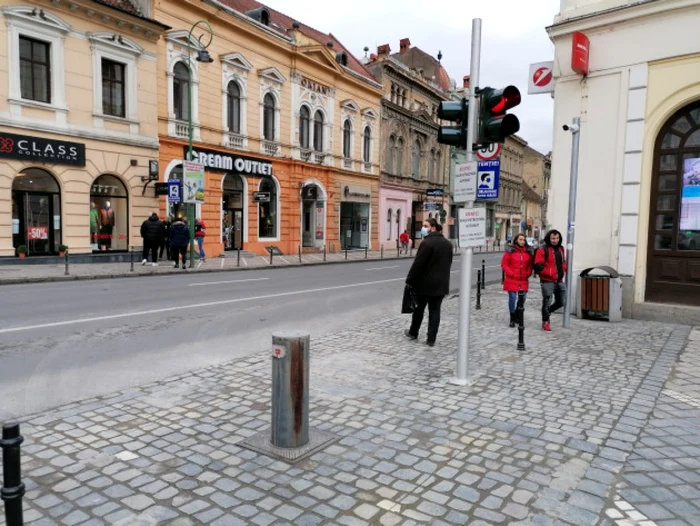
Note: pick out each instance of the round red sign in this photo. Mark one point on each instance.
(542, 77)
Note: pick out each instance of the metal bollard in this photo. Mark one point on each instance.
(381, 255)
(366, 252)
(271, 252)
(398, 250)
(238, 259)
(290, 389)
(300, 254)
(346, 252)
(478, 290)
(521, 321)
(483, 274)
(131, 255)
(324, 252)
(12, 487)
(67, 263)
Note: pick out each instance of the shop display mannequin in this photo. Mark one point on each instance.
(107, 226)
(94, 225)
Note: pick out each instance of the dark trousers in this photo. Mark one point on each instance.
(165, 247)
(152, 247)
(179, 251)
(433, 303)
(549, 289)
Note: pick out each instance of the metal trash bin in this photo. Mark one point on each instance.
(600, 295)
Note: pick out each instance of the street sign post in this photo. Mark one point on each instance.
(465, 182)
(488, 180)
(489, 152)
(472, 227)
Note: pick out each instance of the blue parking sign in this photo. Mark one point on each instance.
(488, 179)
(174, 191)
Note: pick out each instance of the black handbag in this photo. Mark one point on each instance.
(410, 301)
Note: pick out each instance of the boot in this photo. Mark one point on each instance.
(513, 319)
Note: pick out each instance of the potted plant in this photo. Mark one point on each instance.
(22, 251)
(62, 249)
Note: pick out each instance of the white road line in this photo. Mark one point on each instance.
(207, 283)
(287, 262)
(244, 261)
(382, 268)
(222, 262)
(194, 306)
(315, 257)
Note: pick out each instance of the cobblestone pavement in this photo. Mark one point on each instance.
(567, 432)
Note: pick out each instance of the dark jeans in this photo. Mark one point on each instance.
(152, 247)
(165, 247)
(179, 251)
(513, 301)
(558, 290)
(433, 303)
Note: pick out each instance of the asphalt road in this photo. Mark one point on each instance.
(62, 342)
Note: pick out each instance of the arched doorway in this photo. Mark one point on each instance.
(233, 211)
(313, 215)
(109, 214)
(36, 212)
(673, 257)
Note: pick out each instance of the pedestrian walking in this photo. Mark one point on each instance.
(404, 239)
(179, 239)
(200, 232)
(429, 278)
(165, 245)
(550, 264)
(152, 232)
(517, 264)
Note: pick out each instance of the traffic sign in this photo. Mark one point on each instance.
(541, 79)
(174, 191)
(488, 180)
(435, 192)
(472, 227)
(261, 197)
(465, 182)
(489, 152)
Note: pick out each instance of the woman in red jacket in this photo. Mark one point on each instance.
(517, 264)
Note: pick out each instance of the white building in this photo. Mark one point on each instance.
(639, 172)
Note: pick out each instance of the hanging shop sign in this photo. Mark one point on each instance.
(193, 182)
(357, 193)
(224, 162)
(42, 150)
(319, 220)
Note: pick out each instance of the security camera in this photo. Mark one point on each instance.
(565, 127)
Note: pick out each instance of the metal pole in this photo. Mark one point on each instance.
(66, 256)
(382, 252)
(300, 254)
(571, 222)
(366, 251)
(465, 283)
(271, 252)
(238, 261)
(483, 274)
(478, 290)
(131, 255)
(521, 321)
(12, 487)
(324, 252)
(290, 389)
(346, 250)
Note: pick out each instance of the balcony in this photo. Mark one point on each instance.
(319, 157)
(305, 155)
(270, 148)
(347, 164)
(235, 141)
(367, 167)
(182, 129)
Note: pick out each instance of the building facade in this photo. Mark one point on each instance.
(414, 166)
(638, 207)
(78, 125)
(536, 175)
(286, 123)
(507, 211)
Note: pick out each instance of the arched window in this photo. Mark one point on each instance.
(431, 166)
(318, 131)
(399, 156)
(391, 146)
(267, 212)
(304, 123)
(269, 108)
(233, 97)
(439, 172)
(416, 160)
(388, 224)
(181, 86)
(109, 214)
(347, 139)
(398, 222)
(36, 212)
(366, 144)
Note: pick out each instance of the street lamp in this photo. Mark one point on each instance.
(204, 57)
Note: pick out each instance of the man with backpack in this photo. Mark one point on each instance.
(550, 264)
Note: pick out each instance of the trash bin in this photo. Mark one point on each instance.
(600, 295)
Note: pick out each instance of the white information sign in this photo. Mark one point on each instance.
(465, 182)
(472, 227)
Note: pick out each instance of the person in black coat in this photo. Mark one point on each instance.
(165, 246)
(429, 278)
(152, 232)
(179, 239)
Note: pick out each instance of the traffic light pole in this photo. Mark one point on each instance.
(467, 254)
(571, 223)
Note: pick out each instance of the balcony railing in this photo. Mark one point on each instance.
(270, 148)
(347, 164)
(305, 155)
(367, 167)
(319, 157)
(235, 141)
(182, 129)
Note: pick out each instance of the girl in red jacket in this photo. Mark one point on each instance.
(517, 264)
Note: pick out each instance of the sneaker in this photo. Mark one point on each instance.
(546, 326)
(410, 336)
(144, 262)
(154, 264)
(177, 265)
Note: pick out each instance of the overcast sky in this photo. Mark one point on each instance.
(513, 37)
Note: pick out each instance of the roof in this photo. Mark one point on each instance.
(416, 58)
(529, 194)
(282, 24)
(128, 7)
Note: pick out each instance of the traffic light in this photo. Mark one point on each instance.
(457, 112)
(494, 123)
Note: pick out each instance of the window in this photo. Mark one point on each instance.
(393, 92)
(269, 108)
(347, 139)
(399, 156)
(439, 174)
(35, 69)
(304, 123)
(233, 97)
(366, 144)
(267, 212)
(181, 86)
(113, 88)
(431, 166)
(391, 147)
(398, 222)
(318, 131)
(109, 214)
(416, 160)
(388, 224)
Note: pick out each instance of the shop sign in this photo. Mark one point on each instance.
(314, 86)
(261, 197)
(161, 188)
(37, 233)
(431, 206)
(580, 49)
(435, 192)
(224, 162)
(42, 150)
(356, 193)
(193, 182)
(319, 220)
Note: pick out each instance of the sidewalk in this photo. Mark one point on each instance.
(596, 425)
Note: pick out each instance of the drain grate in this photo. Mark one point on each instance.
(260, 443)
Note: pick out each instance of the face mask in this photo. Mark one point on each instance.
(424, 231)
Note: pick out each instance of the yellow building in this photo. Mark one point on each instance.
(78, 125)
(285, 120)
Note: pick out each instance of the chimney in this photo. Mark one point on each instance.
(465, 81)
(372, 57)
(384, 50)
(404, 45)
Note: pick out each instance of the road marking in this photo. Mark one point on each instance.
(382, 268)
(245, 262)
(222, 262)
(315, 257)
(207, 283)
(183, 308)
(287, 262)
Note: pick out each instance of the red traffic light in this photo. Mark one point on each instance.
(501, 100)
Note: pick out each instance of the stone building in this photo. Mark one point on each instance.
(508, 208)
(536, 169)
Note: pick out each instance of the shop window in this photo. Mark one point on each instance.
(347, 139)
(36, 212)
(181, 83)
(388, 224)
(399, 156)
(367, 144)
(233, 212)
(233, 99)
(318, 131)
(35, 69)
(269, 108)
(304, 127)
(109, 214)
(267, 212)
(113, 88)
